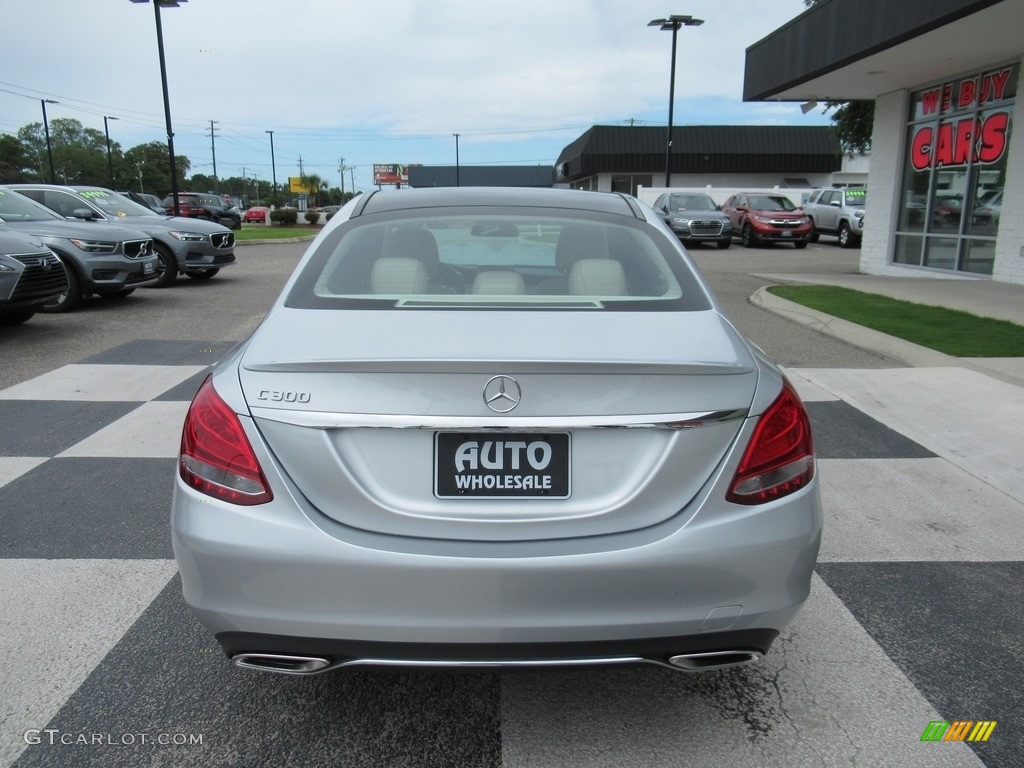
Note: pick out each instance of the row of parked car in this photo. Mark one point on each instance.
(759, 217)
(60, 244)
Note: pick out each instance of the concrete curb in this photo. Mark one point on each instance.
(272, 240)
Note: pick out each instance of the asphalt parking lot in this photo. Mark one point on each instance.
(915, 613)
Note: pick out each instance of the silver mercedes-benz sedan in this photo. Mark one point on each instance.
(490, 428)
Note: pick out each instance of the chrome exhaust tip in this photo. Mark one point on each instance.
(711, 660)
(281, 663)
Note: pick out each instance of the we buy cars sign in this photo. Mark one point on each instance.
(979, 138)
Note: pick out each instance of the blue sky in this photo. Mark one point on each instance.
(381, 82)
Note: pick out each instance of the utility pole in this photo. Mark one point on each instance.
(213, 151)
(300, 166)
(341, 173)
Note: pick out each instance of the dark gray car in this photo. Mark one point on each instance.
(30, 275)
(197, 248)
(695, 218)
(111, 262)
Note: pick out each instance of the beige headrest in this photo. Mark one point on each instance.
(597, 277)
(399, 275)
(497, 282)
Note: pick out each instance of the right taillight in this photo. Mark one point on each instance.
(216, 457)
(780, 457)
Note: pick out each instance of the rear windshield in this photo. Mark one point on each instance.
(469, 259)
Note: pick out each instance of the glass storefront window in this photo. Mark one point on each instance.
(908, 249)
(978, 256)
(940, 252)
(954, 172)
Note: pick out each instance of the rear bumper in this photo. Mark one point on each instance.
(269, 578)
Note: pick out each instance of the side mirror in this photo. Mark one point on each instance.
(84, 213)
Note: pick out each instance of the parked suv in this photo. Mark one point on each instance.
(30, 275)
(194, 247)
(111, 262)
(197, 205)
(838, 212)
(695, 218)
(762, 217)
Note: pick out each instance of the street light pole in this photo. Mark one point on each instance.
(167, 101)
(46, 130)
(458, 180)
(273, 170)
(673, 23)
(110, 160)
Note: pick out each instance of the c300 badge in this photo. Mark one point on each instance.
(283, 396)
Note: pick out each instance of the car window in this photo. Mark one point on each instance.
(695, 202)
(17, 207)
(771, 203)
(523, 261)
(113, 204)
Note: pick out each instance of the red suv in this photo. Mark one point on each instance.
(762, 217)
(200, 205)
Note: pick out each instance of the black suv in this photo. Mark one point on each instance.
(199, 205)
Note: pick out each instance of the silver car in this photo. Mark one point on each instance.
(30, 275)
(110, 263)
(194, 247)
(495, 427)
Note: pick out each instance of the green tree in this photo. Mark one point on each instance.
(313, 185)
(852, 121)
(79, 153)
(201, 182)
(15, 164)
(146, 168)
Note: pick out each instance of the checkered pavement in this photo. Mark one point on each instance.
(915, 612)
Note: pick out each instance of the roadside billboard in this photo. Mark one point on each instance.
(390, 174)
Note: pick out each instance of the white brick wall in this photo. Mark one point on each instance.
(884, 181)
(1009, 266)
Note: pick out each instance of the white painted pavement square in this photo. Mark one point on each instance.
(967, 418)
(808, 390)
(88, 382)
(153, 430)
(58, 619)
(13, 467)
(825, 695)
(915, 510)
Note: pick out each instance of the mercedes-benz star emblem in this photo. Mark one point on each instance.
(502, 393)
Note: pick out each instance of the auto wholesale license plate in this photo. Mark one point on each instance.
(470, 465)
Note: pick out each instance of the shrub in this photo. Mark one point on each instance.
(285, 216)
(330, 214)
(312, 216)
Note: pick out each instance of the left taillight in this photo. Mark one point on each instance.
(780, 457)
(216, 456)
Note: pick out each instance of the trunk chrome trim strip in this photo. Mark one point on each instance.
(326, 420)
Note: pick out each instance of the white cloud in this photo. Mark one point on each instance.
(380, 81)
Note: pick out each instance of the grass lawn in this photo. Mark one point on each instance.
(956, 333)
(276, 232)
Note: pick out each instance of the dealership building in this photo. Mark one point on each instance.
(946, 180)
